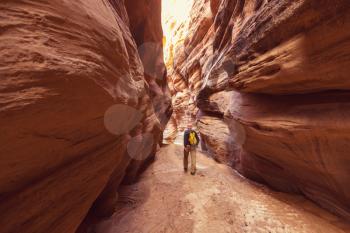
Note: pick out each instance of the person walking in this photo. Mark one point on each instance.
(191, 141)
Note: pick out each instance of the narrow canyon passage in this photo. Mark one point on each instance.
(91, 89)
(216, 200)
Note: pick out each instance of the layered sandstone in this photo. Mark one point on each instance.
(270, 81)
(69, 69)
(146, 28)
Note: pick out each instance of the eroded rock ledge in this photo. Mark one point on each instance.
(271, 90)
(63, 65)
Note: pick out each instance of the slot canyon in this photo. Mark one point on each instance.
(95, 96)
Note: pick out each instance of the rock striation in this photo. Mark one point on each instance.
(269, 82)
(74, 95)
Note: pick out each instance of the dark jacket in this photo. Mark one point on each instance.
(187, 135)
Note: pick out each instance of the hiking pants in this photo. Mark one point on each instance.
(191, 151)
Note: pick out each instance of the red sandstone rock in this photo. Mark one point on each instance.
(216, 139)
(296, 142)
(63, 65)
(187, 46)
(146, 28)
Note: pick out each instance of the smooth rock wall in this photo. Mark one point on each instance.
(73, 97)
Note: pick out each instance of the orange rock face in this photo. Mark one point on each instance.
(74, 102)
(270, 81)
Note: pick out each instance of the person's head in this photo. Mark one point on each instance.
(189, 126)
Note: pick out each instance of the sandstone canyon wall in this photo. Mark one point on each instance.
(271, 90)
(75, 102)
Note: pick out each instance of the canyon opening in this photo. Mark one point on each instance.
(151, 116)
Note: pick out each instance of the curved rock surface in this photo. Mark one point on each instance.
(64, 64)
(298, 143)
(146, 28)
(287, 63)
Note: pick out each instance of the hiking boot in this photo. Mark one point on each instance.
(185, 169)
(193, 173)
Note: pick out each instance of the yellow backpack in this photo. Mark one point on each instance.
(192, 138)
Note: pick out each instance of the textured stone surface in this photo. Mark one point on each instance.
(216, 139)
(189, 43)
(146, 28)
(63, 65)
(297, 53)
(299, 143)
(215, 104)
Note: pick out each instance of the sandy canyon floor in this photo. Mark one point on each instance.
(216, 199)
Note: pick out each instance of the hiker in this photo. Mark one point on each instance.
(191, 141)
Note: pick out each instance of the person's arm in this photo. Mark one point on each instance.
(185, 138)
(197, 138)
